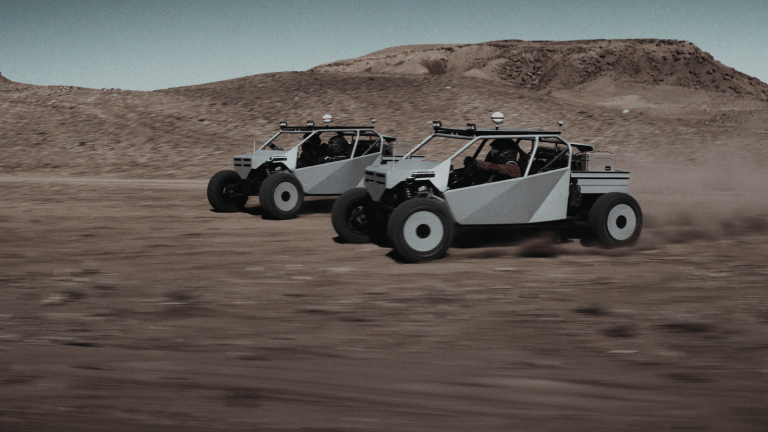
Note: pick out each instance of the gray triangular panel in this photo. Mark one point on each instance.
(507, 202)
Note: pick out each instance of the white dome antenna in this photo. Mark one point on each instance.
(327, 119)
(560, 125)
(497, 118)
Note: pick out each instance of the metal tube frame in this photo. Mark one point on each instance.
(479, 137)
(357, 137)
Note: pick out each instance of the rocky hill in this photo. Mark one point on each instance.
(542, 65)
(192, 132)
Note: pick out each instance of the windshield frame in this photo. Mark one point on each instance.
(357, 133)
(536, 138)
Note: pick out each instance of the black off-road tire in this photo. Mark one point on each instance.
(421, 229)
(345, 214)
(224, 193)
(281, 196)
(616, 220)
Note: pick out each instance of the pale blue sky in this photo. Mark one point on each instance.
(148, 45)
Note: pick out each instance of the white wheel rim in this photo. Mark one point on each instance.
(286, 196)
(423, 231)
(622, 222)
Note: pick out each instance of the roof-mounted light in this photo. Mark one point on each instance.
(327, 119)
(310, 123)
(560, 125)
(436, 124)
(374, 122)
(283, 124)
(471, 126)
(497, 118)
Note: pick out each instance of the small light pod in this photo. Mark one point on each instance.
(327, 119)
(560, 125)
(283, 124)
(471, 126)
(497, 118)
(436, 124)
(310, 123)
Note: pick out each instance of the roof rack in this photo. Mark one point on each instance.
(473, 132)
(315, 128)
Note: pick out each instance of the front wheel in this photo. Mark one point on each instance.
(281, 196)
(225, 192)
(349, 216)
(421, 229)
(616, 220)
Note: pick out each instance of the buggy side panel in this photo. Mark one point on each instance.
(555, 205)
(536, 198)
(334, 178)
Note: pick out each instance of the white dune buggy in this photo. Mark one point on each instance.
(318, 161)
(416, 203)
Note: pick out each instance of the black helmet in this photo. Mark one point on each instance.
(315, 139)
(337, 145)
(503, 150)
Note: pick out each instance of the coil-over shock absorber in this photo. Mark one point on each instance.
(407, 192)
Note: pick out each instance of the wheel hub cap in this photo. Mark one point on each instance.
(286, 196)
(622, 222)
(423, 231)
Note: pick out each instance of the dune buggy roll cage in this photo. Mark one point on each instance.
(473, 134)
(312, 130)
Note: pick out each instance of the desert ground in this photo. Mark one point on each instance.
(128, 304)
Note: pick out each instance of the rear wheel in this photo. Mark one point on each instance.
(616, 220)
(349, 216)
(281, 196)
(421, 229)
(225, 192)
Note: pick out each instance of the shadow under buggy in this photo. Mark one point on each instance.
(298, 161)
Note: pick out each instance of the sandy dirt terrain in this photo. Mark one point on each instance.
(130, 304)
(127, 304)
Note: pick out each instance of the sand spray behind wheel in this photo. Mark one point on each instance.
(718, 196)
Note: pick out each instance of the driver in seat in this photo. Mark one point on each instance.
(501, 161)
(310, 151)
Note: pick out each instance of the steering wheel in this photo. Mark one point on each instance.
(473, 169)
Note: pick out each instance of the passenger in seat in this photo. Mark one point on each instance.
(338, 147)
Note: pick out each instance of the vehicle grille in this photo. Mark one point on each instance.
(243, 162)
(372, 177)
